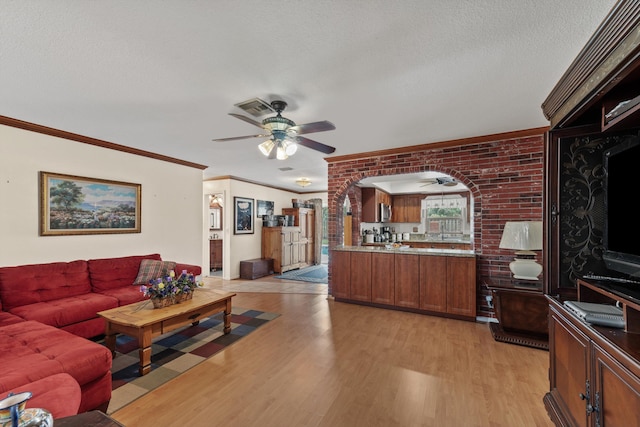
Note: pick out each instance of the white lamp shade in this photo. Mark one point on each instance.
(522, 236)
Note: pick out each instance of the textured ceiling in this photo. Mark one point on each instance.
(163, 75)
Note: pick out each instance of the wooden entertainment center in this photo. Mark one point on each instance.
(594, 370)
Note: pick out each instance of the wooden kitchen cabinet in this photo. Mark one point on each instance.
(215, 254)
(425, 282)
(341, 274)
(305, 219)
(433, 283)
(383, 278)
(448, 285)
(371, 199)
(282, 244)
(360, 276)
(407, 281)
(407, 208)
(461, 292)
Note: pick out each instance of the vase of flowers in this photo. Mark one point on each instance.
(168, 290)
(186, 285)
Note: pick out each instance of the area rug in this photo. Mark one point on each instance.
(314, 274)
(176, 352)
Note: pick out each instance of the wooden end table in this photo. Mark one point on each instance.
(142, 321)
(522, 311)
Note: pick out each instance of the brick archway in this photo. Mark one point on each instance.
(503, 172)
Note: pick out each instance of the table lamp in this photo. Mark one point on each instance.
(524, 237)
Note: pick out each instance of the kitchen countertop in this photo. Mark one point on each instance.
(410, 250)
(408, 242)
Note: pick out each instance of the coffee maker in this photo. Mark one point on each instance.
(385, 233)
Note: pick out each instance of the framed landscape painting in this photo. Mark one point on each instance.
(243, 209)
(72, 205)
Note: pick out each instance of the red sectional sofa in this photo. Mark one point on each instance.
(47, 312)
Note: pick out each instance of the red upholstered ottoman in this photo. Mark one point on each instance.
(59, 394)
(30, 351)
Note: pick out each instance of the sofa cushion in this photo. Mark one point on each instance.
(30, 351)
(9, 319)
(66, 311)
(152, 269)
(34, 283)
(59, 394)
(196, 270)
(126, 294)
(110, 273)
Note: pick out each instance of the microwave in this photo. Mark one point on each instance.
(385, 212)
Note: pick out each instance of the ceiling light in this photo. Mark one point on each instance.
(303, 182)
(266, 147)
(281, 154)
(290, 148)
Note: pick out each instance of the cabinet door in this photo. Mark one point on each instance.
(413, 206)
(382, 278)
(433, 283)
(369, 206)
(340, 274)
(215, 254)
(361, 276)
(399, 208)
(295, 248)
(569, 365)
(617, 392)
(461, 289)
(407, 280)
(286, 255)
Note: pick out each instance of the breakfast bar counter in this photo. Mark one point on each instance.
(429, 281)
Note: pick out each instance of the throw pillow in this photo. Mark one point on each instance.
(153, 269)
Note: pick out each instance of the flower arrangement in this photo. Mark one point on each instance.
(166, 290)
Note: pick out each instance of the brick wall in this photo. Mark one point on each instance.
(503, 172)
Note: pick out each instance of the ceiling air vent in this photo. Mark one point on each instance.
(286, 169)
(256, 107)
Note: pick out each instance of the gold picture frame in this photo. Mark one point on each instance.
(72, 205)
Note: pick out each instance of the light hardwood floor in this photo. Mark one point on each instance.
(325, 363)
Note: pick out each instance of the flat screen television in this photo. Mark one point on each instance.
(621, 235)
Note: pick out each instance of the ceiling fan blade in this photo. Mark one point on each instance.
(234, 138)
(247, 119)
(312, 127)
(315, 145)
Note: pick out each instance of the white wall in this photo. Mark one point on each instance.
(171, 200)
(240, 247)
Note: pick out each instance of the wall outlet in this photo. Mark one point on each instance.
(489, 299)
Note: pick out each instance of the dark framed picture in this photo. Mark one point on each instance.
(265, 207)
(71, 205)
(243, 212)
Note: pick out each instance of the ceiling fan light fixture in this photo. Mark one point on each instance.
(266, 147)
(290, 147)
(303, 182)
(281, 154)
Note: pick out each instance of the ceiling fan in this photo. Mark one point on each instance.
(283, 133)
(444, 180)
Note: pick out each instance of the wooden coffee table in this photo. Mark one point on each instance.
(142, 321)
